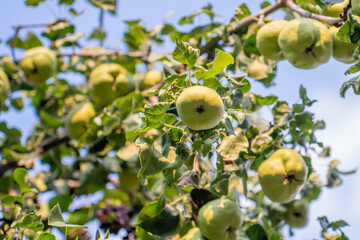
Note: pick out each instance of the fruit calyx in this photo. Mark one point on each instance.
(289, 178)
(200, 109)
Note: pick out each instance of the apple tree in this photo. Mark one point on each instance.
(174, 143)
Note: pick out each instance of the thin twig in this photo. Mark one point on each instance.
(331, 20)
(52, 142)
(101, 25)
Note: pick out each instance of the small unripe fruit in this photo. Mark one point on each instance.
(200, 108)
(78, 120)
(151, 78)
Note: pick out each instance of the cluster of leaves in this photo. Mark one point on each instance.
(179, 170)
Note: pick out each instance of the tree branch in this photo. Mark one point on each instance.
(243, 23)
(52, 142)
(331, 20)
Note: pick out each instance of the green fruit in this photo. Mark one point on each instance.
(297, 213)
(129, 180)
(267, 40)
(193, 234)
(107, 82)
(306, 43)
(8, 65)
(283, 175)
(4, 86)
(78, 120)
(258, 70)
(342, 51)
(38, 64)
(220, 219)
(355, 6)
(200, 107)
(150, 79)
(335, 10)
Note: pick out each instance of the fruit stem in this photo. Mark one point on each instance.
(196, 165)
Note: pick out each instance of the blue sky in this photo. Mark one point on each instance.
(323, 83)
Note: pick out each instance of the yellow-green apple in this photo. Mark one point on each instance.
(78, 119)
(306, 43)
(150, 79)
(220, 219)
(4, 86)
(335, 10)
(267, 40)
(193, 234)
(297, 213)
(258, 69)
(355, 7)
(109, 81)
(200, 107)
(39, 64)
(342, 51)
(283, 175)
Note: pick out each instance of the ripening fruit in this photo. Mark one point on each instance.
(150, 79)
(38, 64)
(335, 10)
(107, 82)
(283, 175)
(220, 219)
(267, 40)
(297, 213)
(306, 43)
(77, 121)
(258, 70)
(4, 86)
(342, 51)
(200, 108)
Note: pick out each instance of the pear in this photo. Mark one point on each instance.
(150, 79)
(342, 51)
(78, 120)
(335, 10)
(220, 219)
(267, 40)
(306, 43)
(297, 213)
(283, 175)
(200, 108)
(38, 64)
(4, 86)
(107, 82)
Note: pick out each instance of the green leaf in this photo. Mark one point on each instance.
(337, 225)
(231, 146)
(250, 46)
(17, 103)
(349, 31)
(176, 134)
(21, 177)
(185, 54)
(31, 221)
(157, 218)
(354, 83)
(58, 29)
(98, 34)
(268, 100)
(304, 97)
(155, 112)
(49, 120)
(64, 200)
(136, 37)
(46, 236)
(256, 232)
(242, 11)
(190, 18)
(107, 5)
(56, 219)
(67, 2)
(33, 3)
(222, 59)
(151, 160)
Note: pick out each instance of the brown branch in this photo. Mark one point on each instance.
(243, 23)
(104, 53)
(343, 15)
(331, 20)
(52, 142)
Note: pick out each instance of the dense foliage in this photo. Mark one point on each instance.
(119, 134)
